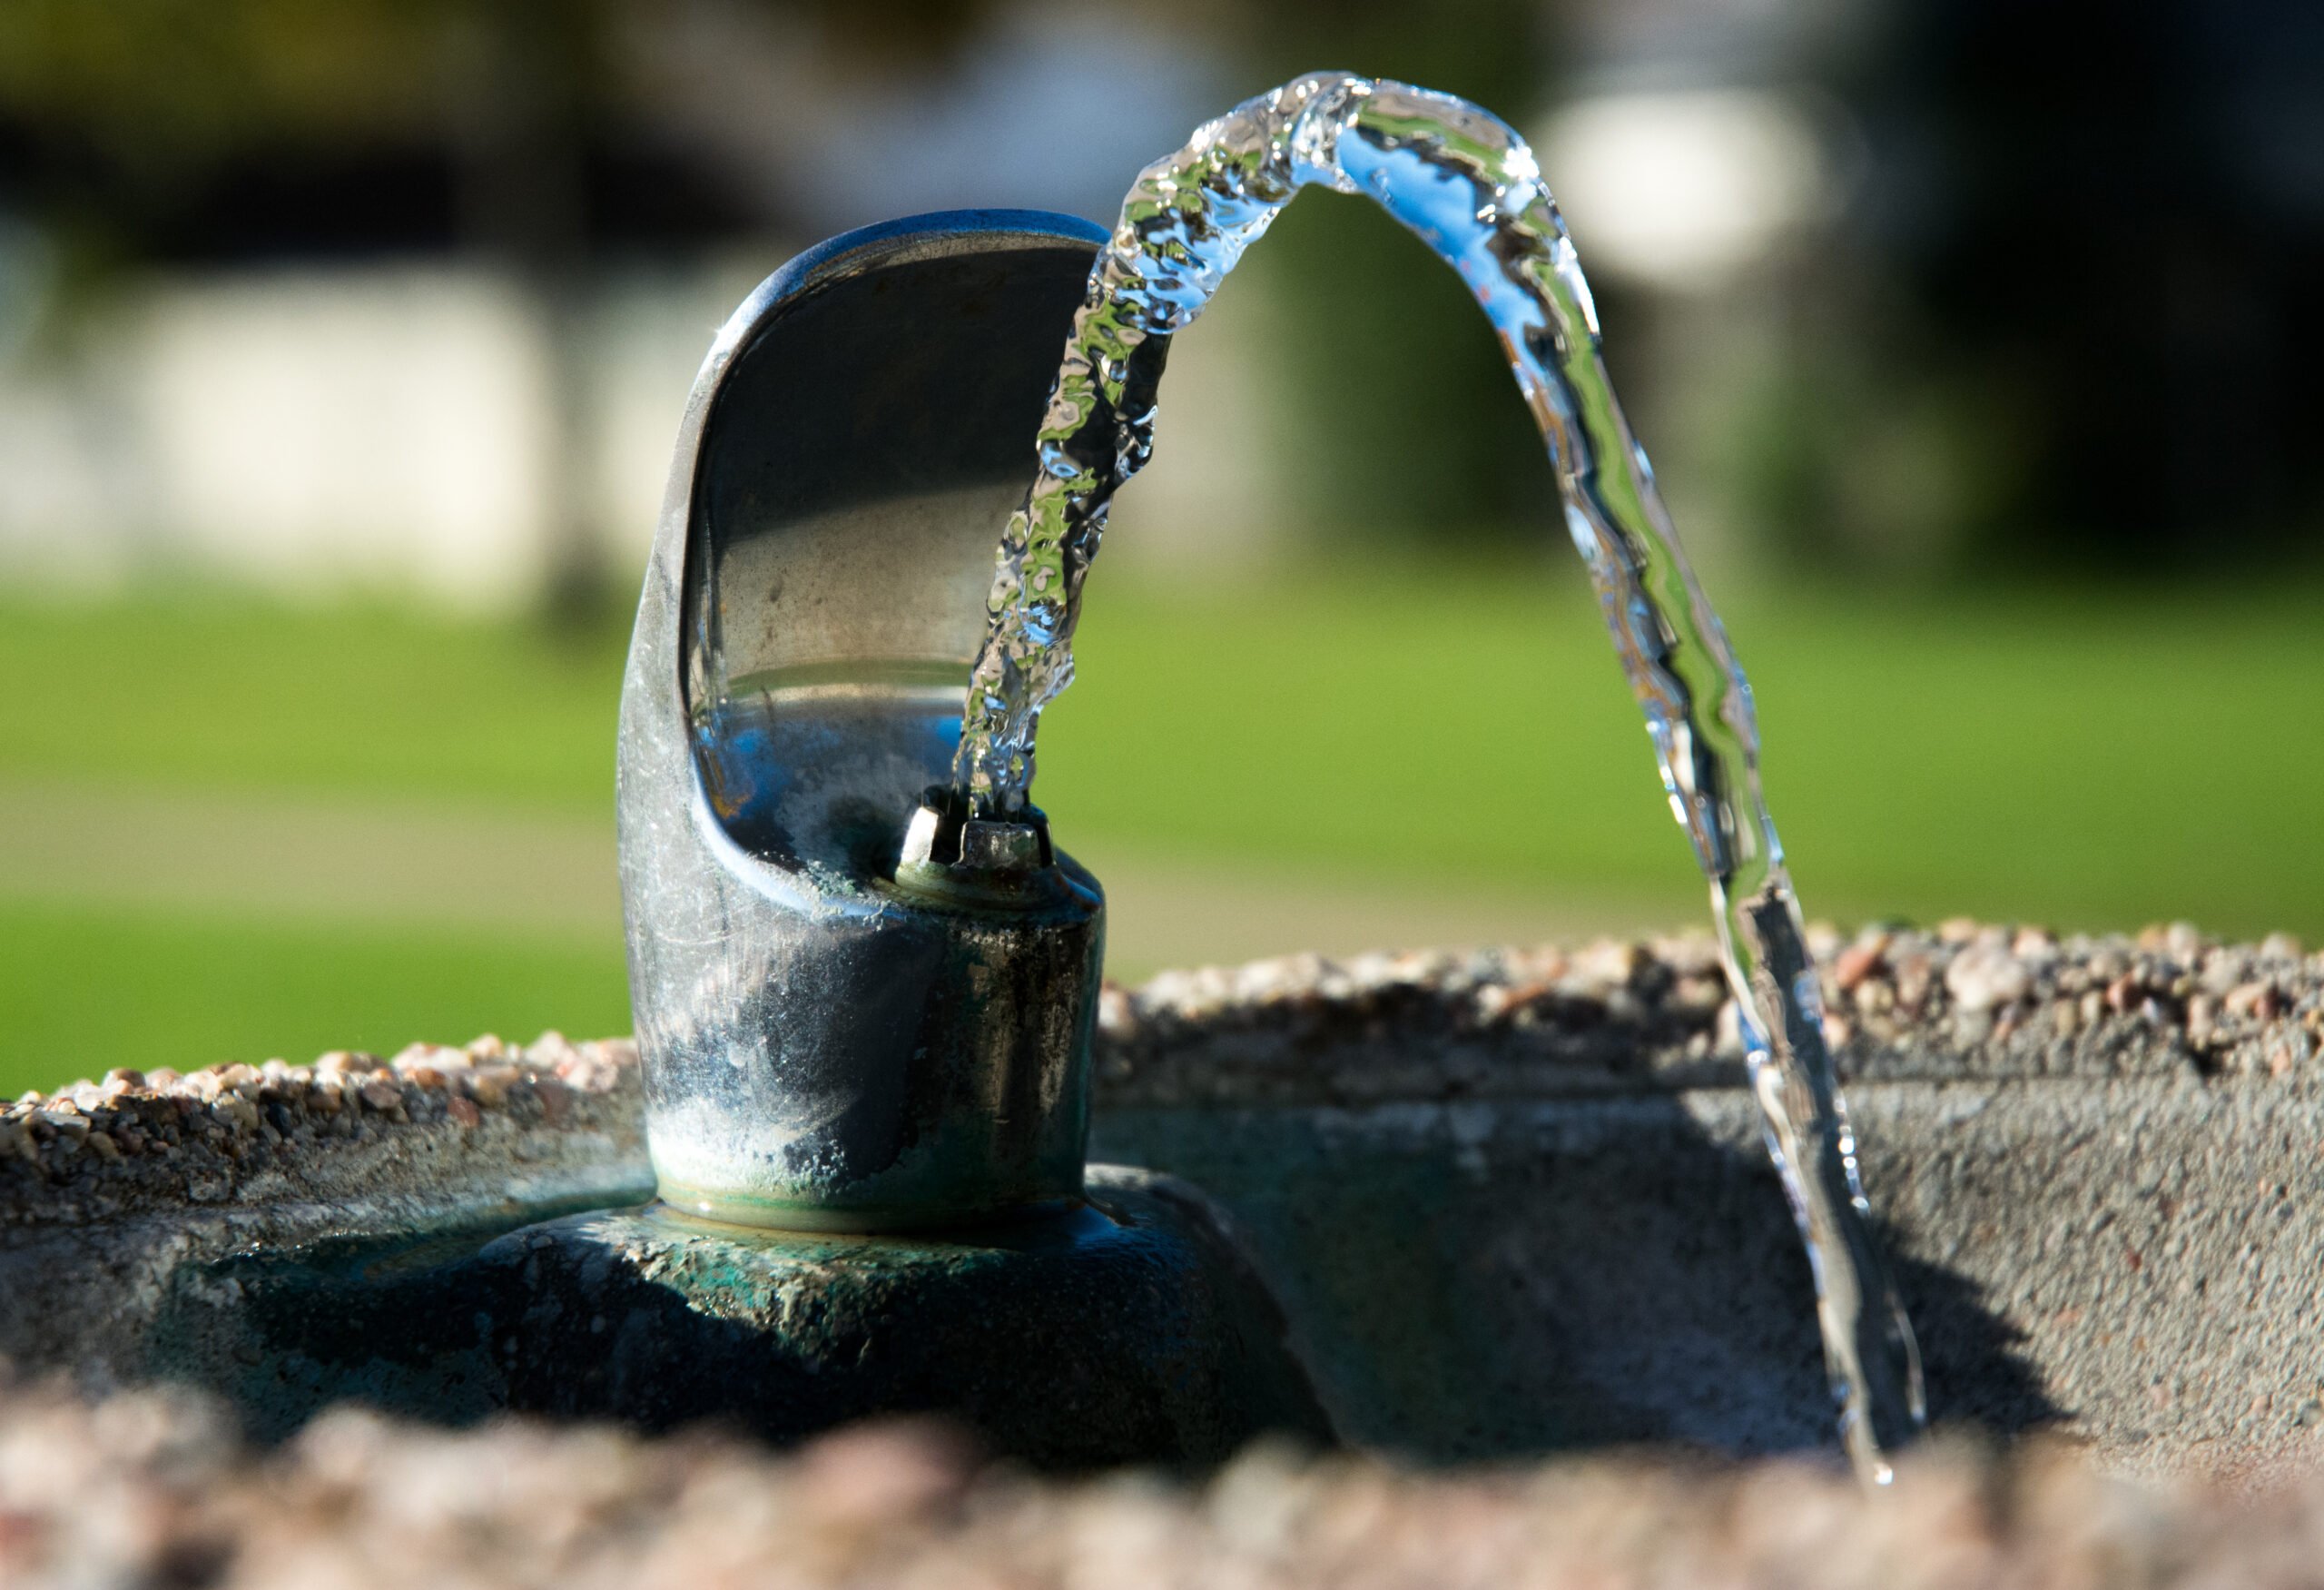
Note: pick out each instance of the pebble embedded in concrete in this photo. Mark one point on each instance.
(1985, 975)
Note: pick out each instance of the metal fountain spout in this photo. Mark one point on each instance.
(856, 1011)
(864, 1014)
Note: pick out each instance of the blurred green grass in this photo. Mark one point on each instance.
(219, 691)
(86, 990)
(2087, 760)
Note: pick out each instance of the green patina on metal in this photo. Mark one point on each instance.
(752, 1273)
(1128, 1328)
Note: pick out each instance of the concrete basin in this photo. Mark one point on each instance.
(1511, 1201)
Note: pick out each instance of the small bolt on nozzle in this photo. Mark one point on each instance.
(949, 852)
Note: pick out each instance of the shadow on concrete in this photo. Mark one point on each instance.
(1973, 1361)
(1466, 1281)
(1477, 1282)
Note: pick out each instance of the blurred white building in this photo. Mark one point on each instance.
(401, 430)
(392, 428)
(425, 423)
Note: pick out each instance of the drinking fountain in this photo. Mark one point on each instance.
(864, 1015)
(1507, 1202)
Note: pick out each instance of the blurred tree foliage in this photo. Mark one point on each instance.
(159, 85)
(164, 85)
(1406, 393)
(135, 104)
(128, 106)
(2095, 248)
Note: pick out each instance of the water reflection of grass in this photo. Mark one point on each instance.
(2083, 762)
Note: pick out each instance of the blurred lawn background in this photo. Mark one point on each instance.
(1457, 752)
(342, 348)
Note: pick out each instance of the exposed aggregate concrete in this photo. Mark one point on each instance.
(149, 1491)
(244, 1135)
(110, 1191)
(1963, 1000)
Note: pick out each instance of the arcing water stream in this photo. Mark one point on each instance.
(1465, 182)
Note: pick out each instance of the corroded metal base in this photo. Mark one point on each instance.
(1127, 1329)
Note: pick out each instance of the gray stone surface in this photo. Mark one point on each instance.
(110, 1190)
(1512, 1201)
(146, 1492)
(1516, 1201)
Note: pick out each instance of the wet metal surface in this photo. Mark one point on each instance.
(823, 1048)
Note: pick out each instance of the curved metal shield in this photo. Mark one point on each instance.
(823, 1048)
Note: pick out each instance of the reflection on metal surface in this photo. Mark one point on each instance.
(824, 1048)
